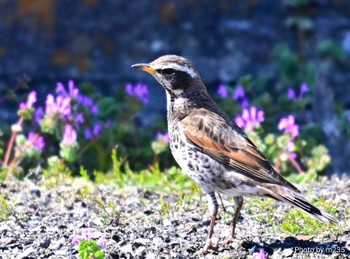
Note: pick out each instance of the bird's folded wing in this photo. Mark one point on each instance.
(227, 143)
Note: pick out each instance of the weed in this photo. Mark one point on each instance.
(5, 210)
(89, 249)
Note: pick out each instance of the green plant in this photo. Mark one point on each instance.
(5, 209)
(56, 172)
(89, 249)
(109, 211)
(165, 207)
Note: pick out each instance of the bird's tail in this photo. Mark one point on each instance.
(298, 201)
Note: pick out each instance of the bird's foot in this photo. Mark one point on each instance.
(204, 250)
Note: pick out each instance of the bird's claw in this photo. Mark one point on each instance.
(204, 250)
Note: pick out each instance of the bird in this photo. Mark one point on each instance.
(213, 150)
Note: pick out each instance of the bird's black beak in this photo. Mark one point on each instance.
(144, 67)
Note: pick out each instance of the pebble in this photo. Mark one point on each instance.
(126, 249)
(55, 244)
(157, 241)
(140, 250)
(151, 256)
(288, 252)
(29, 252)
(141, 241)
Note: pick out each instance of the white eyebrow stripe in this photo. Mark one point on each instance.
(183, 68)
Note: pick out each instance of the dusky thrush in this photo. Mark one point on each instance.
(212, 149)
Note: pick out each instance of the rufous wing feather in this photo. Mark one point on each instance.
(225, 141)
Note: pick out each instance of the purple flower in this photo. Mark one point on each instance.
(90, 134)
(262, 254)
(250, 118)
(75, 239)
(244, 103)
(288, 125)
(129, 89)
(85, 100)
(291, 94)
(239, 93)
(60, 89)
(97, 129)
(61, 105)
(69, 135)
(73, 92)
(39, 114)
(87, 234)
(349, 117)
(30, 101)
(79, 119)
(222, 91)
(140, 91)
(94, 109)
(102, 241)
(36, 140)
(303, 90)
(164, 137)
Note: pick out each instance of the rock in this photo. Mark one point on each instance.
(166, 222)
(288, 252)
(157, 241)
(139, 251)
(277, 254)
(142, 241)
(35, 192)
(46, 243)
(150, 256)
(126, 249)
(28, 252)
(56, 244)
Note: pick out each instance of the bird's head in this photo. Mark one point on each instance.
(176, 74)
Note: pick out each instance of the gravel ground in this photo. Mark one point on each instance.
(44, 223)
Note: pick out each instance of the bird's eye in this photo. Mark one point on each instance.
(168, 71)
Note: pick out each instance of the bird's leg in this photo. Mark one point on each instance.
(213, 210)
(239, 203)
(222, 203)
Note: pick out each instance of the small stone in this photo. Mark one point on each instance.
(5, 227)
(46, 243)
(35, 192)
(148, 212)
(150, 256)
(254, 249)
(126, 249)
(276, 254)
(158, 241)
(56, 244)
(139, 251)
(288, 252)
(166, 222)
(61, 252)
(256, 240)
(141, 241)
(29, 252)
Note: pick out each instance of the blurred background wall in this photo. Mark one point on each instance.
(97, 40)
